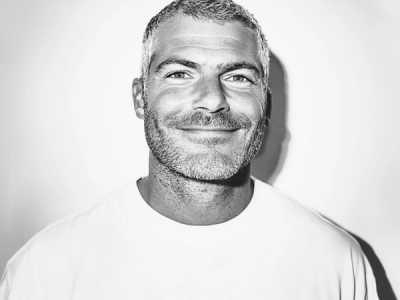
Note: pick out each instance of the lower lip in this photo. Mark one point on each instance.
(208, 132)
(208, 136)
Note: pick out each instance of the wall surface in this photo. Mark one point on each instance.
(69, 135)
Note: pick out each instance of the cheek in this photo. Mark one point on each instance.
(170, 99)
(249, 104)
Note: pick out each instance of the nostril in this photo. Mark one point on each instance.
(211, 99)
(211, 105)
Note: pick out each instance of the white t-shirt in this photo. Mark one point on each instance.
(123, 249)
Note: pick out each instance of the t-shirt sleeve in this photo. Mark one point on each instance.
(358, 281)
(37, 270)
(371, 283)
(5, 285)
(19, 280)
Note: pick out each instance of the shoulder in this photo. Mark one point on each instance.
(304, 225)
(316, 247)
(61, 243)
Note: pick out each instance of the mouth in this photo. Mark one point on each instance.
(209, 135)
(209, 129)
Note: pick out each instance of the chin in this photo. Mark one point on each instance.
(207, 167)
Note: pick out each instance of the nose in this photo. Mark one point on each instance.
(211, 96)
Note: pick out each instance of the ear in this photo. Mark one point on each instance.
(269, 106)
(137, 95)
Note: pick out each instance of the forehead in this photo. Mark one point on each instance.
(205, 40)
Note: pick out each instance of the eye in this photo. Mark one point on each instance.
(239, 78)
(178, 75)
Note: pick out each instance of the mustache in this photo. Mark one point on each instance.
(225, 120)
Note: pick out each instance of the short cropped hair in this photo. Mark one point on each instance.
(220, 11)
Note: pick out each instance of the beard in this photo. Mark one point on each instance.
(204, 161)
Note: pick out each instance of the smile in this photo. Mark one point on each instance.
(209, 129)
(208, 135)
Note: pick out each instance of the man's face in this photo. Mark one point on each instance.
(205, 106)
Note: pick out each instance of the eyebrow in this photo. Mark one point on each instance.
(239, 65)
(174, 61)
(224, 68)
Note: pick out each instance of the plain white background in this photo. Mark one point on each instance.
(69, 135)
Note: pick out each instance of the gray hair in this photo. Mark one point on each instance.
(220, 11)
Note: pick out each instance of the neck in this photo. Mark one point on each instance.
(195, 202)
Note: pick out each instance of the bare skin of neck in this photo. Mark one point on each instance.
(194, 202)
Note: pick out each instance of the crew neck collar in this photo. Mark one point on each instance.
(171, 229)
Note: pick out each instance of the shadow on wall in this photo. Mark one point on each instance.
(385, 290)
(269, 161)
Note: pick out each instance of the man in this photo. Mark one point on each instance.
(198, 226)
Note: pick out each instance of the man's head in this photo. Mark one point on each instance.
(220, 11)
(203, 88)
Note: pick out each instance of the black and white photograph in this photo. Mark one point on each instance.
(199, 149)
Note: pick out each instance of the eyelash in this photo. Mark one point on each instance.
(177, 72)
(242, 76)
(186, 74)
